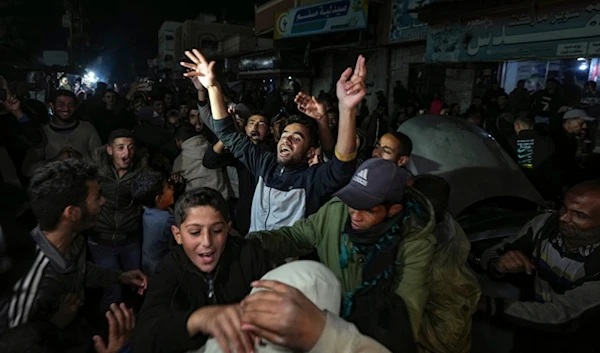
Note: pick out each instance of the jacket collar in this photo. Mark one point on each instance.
(105, 165)
(58, 261)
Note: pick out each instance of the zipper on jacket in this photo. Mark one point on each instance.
(212, 296)
(116, 208)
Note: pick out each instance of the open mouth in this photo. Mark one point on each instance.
(285, 151)
(126, 161)
(254, 135)
(207, 257)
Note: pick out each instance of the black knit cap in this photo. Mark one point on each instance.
(119, 133)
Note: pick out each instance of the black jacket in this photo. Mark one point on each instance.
(37, 295)
(120, 219)
(178, 288)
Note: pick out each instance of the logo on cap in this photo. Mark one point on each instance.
(361, 177)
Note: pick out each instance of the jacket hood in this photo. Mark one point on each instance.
(421, 222)
(189, 147)
(313, 279)
(104, 162)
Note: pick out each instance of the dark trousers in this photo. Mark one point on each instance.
(116, 257)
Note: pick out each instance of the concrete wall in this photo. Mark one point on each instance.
(401, 58)
(324, 77)
(377, 75)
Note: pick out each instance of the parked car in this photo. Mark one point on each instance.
(491, 198)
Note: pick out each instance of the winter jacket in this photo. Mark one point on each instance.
(37, 296)
(454, 294)
(120, 219)
(178, 288)
(325, 232)
(283, 195)
(189, 162)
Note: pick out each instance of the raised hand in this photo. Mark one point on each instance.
(12, 103)
(351, 88)
(201, 68)
(310, 106)
(121, 322)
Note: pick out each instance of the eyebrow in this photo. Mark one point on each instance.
(294, 132)
(200, 225)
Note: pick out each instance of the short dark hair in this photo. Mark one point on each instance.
(56, 186)
(147, 186)
(185, 132)
(200, 197)
(406, 145)
(119, 133)
(258, 113)
(174, 112)
(63, 93)
(525, 120)
(437, 190)
(313, 131)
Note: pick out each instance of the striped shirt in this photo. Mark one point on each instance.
(26, 290)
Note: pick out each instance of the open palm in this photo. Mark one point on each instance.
(310, 106)
(201, 68)
(351, 88)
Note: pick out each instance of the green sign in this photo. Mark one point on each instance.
(555, 33)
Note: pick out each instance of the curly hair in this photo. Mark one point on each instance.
(56, 186)
(147, 186)
(200, 197)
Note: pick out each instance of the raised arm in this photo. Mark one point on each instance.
(316, 110)
(351, 90)
(337, 172)
(239, 144)
(204, 71)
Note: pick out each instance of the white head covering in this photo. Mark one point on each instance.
(311, 278)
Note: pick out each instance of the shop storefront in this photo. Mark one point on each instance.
(559, 42)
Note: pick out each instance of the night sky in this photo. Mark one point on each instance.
(125, 31)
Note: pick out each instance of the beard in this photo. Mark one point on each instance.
(88, 220)
(573, 233)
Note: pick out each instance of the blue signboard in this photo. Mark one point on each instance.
(554, 33)
(330, 16)
(405, 26)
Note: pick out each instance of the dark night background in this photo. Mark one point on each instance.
(121, 31)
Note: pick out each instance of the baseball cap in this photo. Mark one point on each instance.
(375, 182)
(577, 114)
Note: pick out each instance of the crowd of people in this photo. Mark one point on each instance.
(296, 227)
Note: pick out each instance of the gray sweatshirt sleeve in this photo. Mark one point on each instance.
(563, 314)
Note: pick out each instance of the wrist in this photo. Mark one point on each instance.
(194, 323)
(344, 109)
(315, 333)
